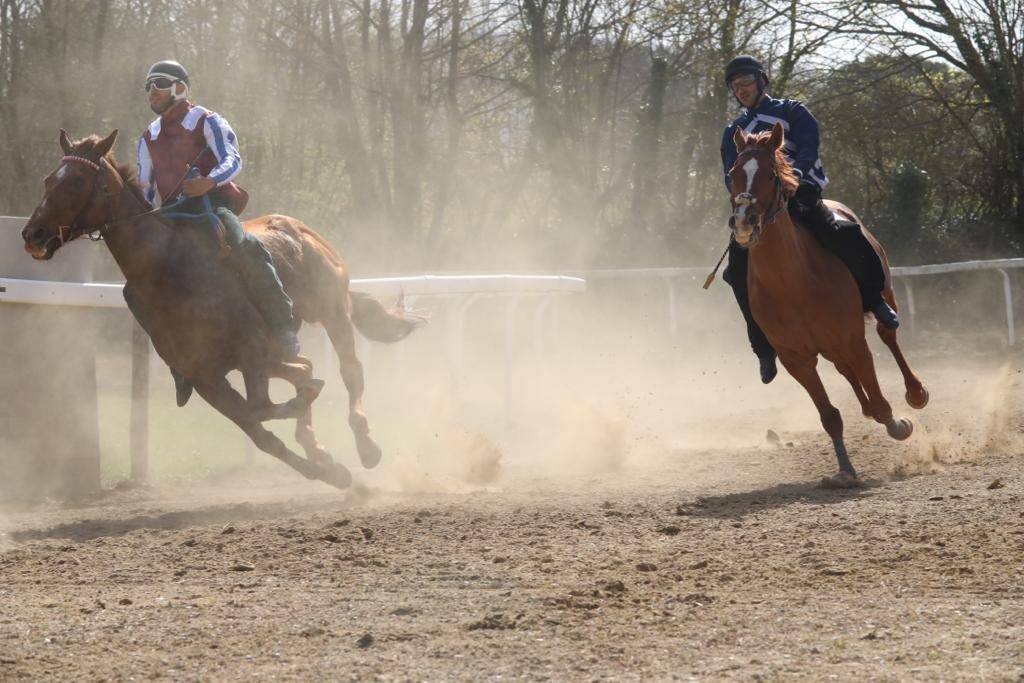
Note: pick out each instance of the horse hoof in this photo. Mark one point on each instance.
(922, 403)
(369, 452)
(843, 480)
(336, 475)
(900, 429)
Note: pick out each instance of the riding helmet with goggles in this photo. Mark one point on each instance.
(165, 74)
(745, 64)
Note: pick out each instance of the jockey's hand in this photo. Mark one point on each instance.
(196, 187)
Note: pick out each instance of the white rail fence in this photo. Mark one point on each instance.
(460, 292)
(673, 278)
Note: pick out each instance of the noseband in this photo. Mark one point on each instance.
(747, 199)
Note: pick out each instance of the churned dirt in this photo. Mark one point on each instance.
(690, 562)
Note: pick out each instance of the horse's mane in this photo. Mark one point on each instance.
(126, 171)
(783, 169)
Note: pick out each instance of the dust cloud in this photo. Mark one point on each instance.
(594, 384)
(614, 392)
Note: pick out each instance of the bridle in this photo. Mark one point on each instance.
(74, 231)
(96, 233)
(747, 199)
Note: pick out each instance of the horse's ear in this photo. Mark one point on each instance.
(739, 138)
(777, 136)
(65, 142)
(104, 145)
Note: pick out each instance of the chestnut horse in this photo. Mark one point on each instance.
(198, 315)
(804, 297)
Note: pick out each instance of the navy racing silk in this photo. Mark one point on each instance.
(801, 140)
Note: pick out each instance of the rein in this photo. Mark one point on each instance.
(74, 231)
(748, 199)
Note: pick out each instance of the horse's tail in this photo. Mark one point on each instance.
(376, 323)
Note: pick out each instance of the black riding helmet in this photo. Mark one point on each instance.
(745, 64)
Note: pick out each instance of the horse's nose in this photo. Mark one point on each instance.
(30, 233)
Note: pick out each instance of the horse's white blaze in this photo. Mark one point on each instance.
(750, 168)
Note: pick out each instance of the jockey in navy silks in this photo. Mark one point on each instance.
(194, 151)
(746, 79)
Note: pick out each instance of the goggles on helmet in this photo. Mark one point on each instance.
(741, 81)
(161, 83)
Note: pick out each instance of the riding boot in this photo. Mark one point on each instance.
(736, 275)
(846, 240)
(262, 283)
(182, 387)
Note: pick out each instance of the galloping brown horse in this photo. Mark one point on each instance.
(805, 299)
(200, 319)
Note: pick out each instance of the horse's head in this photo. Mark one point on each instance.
(76, 196)
(761, 180)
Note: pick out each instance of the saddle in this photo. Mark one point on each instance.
(207, 223)
(212, 220)
(843, 224)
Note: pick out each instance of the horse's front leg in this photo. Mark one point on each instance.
(804, 370)
(847, 371)
(298, 373)
(219, 393)
(864, 367)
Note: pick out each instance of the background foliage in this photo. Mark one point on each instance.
(480, 134)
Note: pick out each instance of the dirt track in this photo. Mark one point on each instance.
(702, 564)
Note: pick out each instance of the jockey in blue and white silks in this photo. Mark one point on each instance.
(186, 135)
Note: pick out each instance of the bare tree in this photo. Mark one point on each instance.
(984, 39)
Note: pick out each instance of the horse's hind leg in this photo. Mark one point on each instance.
(339, 329)
(219, 394)
(803, 371)
(917, 395)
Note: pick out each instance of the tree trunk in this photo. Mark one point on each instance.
(645, 151)
(453, 115)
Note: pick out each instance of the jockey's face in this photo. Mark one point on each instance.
(745, 87)
(162, 100)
